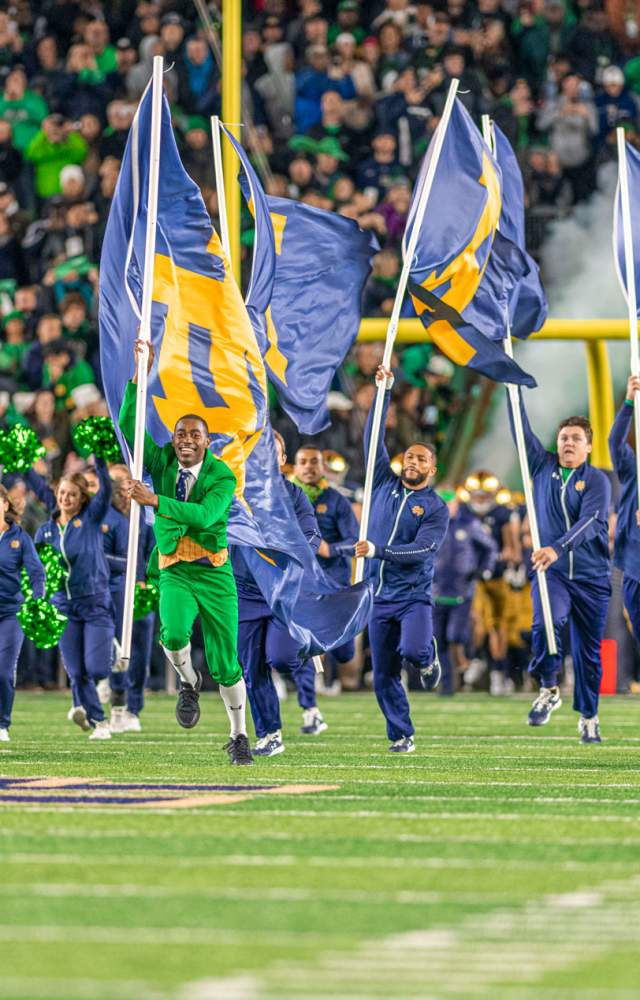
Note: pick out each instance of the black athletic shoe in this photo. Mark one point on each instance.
(187, 707)
(239, 750)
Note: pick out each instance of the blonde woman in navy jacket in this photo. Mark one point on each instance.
(75, 530)
(16, 551)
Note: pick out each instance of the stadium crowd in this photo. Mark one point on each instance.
(340, 100)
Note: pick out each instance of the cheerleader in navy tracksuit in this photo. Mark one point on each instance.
(128, 686)
(75, 530)
(16, 551)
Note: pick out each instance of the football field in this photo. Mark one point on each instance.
(495, 861)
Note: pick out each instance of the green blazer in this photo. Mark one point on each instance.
(203, 517)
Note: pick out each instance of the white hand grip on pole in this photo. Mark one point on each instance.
(630, 275)
(145, 335)
(392, 329)
(525, 474)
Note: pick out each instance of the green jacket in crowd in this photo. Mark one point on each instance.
(49, 158)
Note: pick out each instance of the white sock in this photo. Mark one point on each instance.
(180, 659)
(235, 702)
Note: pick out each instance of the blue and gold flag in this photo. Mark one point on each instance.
(453, 249)
(208, 362)
(319, 263)
(467, 346)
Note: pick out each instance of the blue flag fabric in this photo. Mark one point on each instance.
(454, 247)
(528, 306)
(208, 362)
(323, 262)
(305, 294)
(472, 348)
(633, 180)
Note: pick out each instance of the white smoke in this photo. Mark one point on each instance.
(581, 283)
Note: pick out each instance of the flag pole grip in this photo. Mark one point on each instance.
(144, 334)
(392, 328)
(630, 276)
(525, 473)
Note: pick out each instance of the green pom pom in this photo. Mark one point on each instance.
(146, 599)
(19, 449)
(41, 622)
(96, 436)
(54, 569)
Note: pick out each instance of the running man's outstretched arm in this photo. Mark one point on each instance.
(537, 454)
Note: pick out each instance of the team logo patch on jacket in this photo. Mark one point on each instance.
(105, 528)
(580, 485)
(77, 522)
(417, 510)
(15, 544)
(321, 508)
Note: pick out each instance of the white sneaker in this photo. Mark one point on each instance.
(101, 732)
(103, 688)
(269, 746)
(78, 715)
(496, 682)
(4, 736)
(474, 671)
(331, 691)
(117, 721)
(132, 723)
(312, 722)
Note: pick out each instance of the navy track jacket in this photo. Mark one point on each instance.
(17, 550)
(339, 529)
(407, 528)
(626, 551)
(467, 553)
(81, 543)
(572, 516)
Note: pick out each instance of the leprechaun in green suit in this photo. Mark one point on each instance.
(193, 492)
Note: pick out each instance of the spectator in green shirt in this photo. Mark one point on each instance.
(62, 373)
(13, 345)
(23, 109)
(96, 36)
(54, 147)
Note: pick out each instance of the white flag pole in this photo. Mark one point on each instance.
(630, 275)
(525, 474)
(220, 191)
(144, 335)
(392, 328)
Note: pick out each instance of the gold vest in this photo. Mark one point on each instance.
(189, 551)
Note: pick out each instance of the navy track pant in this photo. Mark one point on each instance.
(263, 644)
(133, 679)
(631, 598)
(11, 639)
(583, 604)
(398, 630)
(87, 646)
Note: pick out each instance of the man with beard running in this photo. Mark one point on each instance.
(407, 526)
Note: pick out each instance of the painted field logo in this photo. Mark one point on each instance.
(97, 792)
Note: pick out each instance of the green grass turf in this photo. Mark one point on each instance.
(495, 861)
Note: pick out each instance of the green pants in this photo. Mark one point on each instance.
(188, 590)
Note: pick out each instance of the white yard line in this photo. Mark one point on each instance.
(477, 957)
